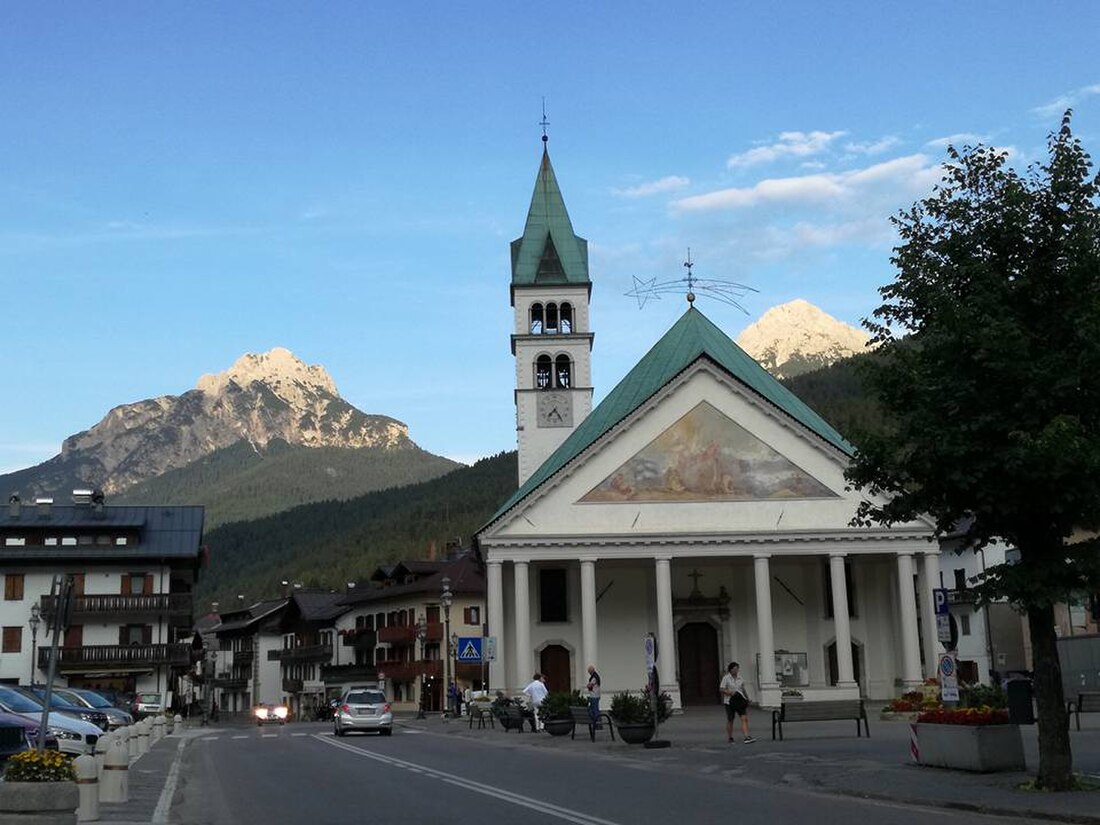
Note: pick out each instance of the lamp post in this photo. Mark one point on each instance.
(421, 636)
(35, 620)
(445, 599)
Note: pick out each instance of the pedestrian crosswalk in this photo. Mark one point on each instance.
(214, 737)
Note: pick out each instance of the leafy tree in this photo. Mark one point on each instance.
(990, 379)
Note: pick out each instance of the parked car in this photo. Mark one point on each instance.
(364, 710)
(62, 705)
(28, 739)
(147, 704)
(116, 717)
(74, 736)
(271, 714)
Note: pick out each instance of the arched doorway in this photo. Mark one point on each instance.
(697, 646)
(857, 669)
(554, 665)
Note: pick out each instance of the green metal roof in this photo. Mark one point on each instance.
(548, 252)
(692, 337)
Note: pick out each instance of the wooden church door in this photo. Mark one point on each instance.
(697, 646)
(554, 665)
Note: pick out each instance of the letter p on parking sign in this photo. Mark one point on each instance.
(939, 598)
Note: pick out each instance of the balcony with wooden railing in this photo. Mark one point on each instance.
(242, 658)
(302, 653)
(122, 607)
(292, 685)
(121, 657)
(360, 638)
(348, 673)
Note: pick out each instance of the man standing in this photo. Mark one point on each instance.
(536, 693)
(732, 688)
(593, 694)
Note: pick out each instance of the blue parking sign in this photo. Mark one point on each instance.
(468, 649)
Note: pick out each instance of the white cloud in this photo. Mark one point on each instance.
(874, 147)
(669, 183)
(1057, 106)
(904, 174)
(812, 164)
(789, 144)
(958, 140)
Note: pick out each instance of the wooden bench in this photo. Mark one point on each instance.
(480, 715)
(581, 716)
(512, 717)
(1086, 702)
(823, 711)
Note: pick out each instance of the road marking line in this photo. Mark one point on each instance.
(210, 739)
(476, 787)
(299, 734)
(268, 735)
(164, 803)
(240, 737)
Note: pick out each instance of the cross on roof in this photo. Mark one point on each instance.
(695, 575)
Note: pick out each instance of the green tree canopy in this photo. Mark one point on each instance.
(989, 372)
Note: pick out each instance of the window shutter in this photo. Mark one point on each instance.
(147, 590)
(74, 636)
(466, 615)
(147, 634)
(78, 584)
(126, 584)
(122, 633)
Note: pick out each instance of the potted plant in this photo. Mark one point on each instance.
(554, 712)
(39, 787)
(969, 739)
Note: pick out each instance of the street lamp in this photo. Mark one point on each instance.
(421, 636)
(35, 620)
(445, 599)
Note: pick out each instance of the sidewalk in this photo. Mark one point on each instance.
(148, 776)
(827, 757)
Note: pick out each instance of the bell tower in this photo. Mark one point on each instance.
(551, 339)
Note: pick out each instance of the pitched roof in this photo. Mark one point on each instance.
(692, 337)
(548, 252)
(465, 573)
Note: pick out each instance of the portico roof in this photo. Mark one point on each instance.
(692, 337)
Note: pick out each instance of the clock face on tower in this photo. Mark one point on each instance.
(555, 409)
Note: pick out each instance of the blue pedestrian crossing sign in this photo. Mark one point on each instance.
(468, 649)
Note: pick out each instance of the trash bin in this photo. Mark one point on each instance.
(1020, 709)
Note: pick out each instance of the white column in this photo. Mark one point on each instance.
(930, 578)
(498, 675)
(523, 626)
(588, 613)
(841, 623)
(666, 637)
(764, 630)
(907, 606)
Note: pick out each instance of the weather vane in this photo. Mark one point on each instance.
(728, 292)
(544, 122)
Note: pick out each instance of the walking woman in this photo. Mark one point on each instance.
(733, 693)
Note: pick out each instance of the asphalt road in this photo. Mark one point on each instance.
(303, 774)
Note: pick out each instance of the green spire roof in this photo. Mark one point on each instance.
(692, 337)
(548, 252)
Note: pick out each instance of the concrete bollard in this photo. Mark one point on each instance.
(143, 736)
(88, 785)
(177, 725)
(102, 745)
(132, 741)
(115, 786)
(158, 729)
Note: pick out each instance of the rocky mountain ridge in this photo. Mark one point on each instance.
(798, 337)
(260, 399)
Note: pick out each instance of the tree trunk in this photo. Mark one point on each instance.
(1055, 757)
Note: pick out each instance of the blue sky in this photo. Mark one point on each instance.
(182, 183)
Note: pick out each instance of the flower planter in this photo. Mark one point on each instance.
(982, 748)
(558, 727)
(38, 803)
(635, 733)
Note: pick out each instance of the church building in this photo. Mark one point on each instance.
(700, 501)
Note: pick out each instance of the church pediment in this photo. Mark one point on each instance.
(706, 456)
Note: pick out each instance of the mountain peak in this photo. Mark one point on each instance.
(278, 369)
(797, 337)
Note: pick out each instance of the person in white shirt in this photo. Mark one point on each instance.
(732, 688)
(536, 693)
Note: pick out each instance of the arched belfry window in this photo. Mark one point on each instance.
(536, 319)
(543, 372)
(566, 320)
(551, 317)
(563, 369)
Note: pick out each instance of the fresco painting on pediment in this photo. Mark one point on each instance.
(707, 456)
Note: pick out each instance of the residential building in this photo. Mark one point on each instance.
(133, 571)
(246, 657)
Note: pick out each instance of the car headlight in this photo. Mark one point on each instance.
(261, 713)
(61, 733)
(281, 712)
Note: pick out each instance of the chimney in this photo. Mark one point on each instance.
(42, 505)
(13, 505)
(82, 496)
(97, 502)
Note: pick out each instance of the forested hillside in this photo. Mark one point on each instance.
(242, 482)
(839, 395)
(330, 543)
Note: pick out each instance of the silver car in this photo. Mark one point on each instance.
(116, 717)
(363, 709)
